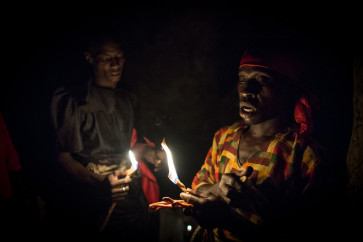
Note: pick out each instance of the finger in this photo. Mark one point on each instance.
(189, 198)
(121, 181)
(227, 179)
(120, 189)
(194, 192)
(112, 177)
(118, 173)
(229, 182)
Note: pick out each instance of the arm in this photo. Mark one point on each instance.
(109, 182)
(78, 171)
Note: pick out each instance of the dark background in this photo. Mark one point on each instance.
(182, 62)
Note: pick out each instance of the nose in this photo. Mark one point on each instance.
(249, 89)
(114, 62)
(117, 61)
(248, 96)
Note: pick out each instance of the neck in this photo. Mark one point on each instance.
(105, 84)
(267, 128)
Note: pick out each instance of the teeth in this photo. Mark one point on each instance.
(248, 109)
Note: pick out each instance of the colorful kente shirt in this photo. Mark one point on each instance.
(273, 164)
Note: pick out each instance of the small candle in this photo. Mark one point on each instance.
(134, 164)
(173, 176)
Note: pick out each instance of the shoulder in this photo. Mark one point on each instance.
(228, 130)
(316, 157)
(231, 127)
(66, 100)
(76, 93)
(313, 146)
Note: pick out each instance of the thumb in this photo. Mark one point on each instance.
(246, 172)
(119, 173)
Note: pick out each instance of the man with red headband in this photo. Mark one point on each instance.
(261, 174)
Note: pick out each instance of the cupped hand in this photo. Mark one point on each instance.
(236, 187)
(119, 183)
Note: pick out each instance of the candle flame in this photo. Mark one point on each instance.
(172, 172)
(133, 160)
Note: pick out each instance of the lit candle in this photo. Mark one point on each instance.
(130, 171)
(134, 164)
(173, 176)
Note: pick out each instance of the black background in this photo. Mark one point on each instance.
(182, 62)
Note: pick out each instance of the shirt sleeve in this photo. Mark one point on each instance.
(65, 116)
(206, 175)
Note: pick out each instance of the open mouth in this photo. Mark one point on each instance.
(248, 109)
(115, 73)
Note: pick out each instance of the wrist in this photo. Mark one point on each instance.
(98, 177)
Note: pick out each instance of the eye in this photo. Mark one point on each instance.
(104, 59)
(242, 80)
(263, 79)
(119, 58)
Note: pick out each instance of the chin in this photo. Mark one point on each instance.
(115, 79)
(251, 120)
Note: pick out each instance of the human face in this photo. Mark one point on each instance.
(107, 62)
(262, 96)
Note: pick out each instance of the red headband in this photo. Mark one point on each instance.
(278, 60)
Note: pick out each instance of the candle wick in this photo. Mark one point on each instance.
(181, 185)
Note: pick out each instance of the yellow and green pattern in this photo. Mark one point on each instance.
(275, 160)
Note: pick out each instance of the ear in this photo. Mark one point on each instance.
(88, 57)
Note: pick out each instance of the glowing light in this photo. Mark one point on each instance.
(189, 228)
(133, 160)
(172, 172)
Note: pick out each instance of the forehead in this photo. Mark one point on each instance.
(107, 48)
(254, 70)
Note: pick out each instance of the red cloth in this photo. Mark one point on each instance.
(149, 183)
(303, 117)
(133, 138)
(9, 160)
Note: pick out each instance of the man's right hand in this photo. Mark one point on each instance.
(209, 209)
(119, 184)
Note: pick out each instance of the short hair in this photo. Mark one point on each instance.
(99, 36)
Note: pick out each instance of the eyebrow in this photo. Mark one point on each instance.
(102, 53)
(248, 75)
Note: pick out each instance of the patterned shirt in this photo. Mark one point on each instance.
(273, 164)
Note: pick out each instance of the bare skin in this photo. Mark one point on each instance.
(107, 62)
